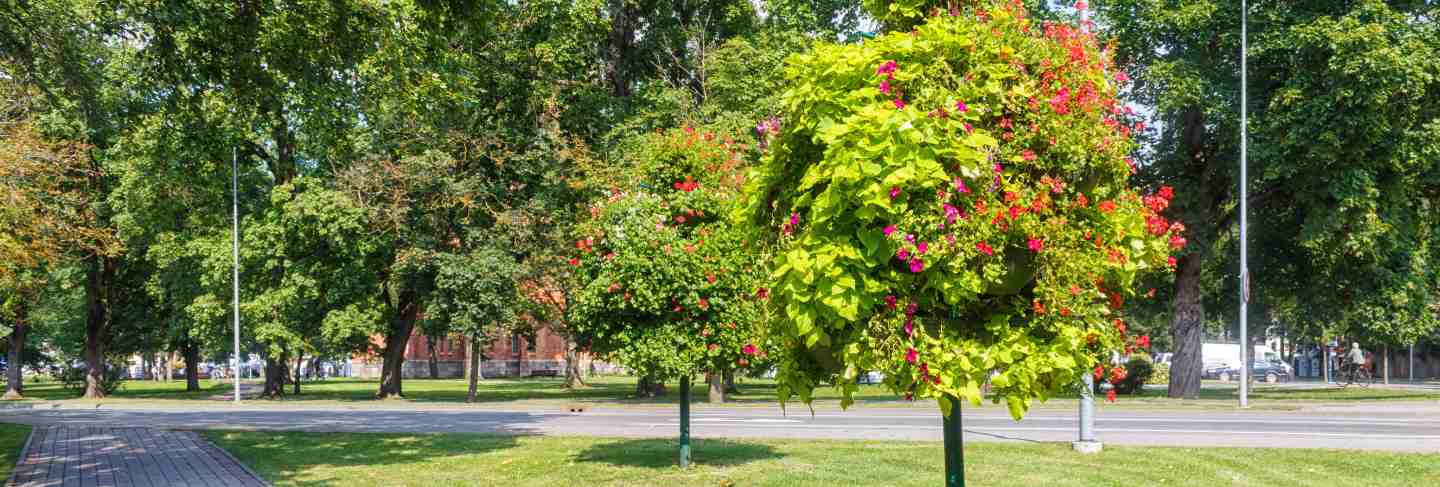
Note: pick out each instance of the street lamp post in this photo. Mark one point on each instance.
(1244, 218)
(235, 253)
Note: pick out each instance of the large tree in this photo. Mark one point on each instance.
(1343, 104)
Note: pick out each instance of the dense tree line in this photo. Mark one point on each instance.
(429, 165)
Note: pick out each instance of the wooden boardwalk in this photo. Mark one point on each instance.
(61, 456)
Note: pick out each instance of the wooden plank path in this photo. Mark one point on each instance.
(61, 456)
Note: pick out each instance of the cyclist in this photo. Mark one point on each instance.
(1354, 358)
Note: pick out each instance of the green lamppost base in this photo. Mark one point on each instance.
(954, 446)
(685, 421)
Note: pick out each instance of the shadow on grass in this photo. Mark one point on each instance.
(665, 453)
(289, 456)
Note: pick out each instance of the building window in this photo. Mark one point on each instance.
(514, 343)
(530, 344)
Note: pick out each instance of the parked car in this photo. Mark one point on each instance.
(1268, 371)
(871, 377)
(1215, 370)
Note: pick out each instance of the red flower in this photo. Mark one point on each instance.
(762, 294)
(1099, 371)
(890, 301)
(984, 249)
(749, 349)
(742, 362)
(1143, 341)
(1177, 242)
(1120, 325)
(1171, 261)
(710, 277)
(1107, 206)
(1110, 396)
(1167, 192)
(1038, 307)
(574, 261)
(1117, 374)
(1036, 245)
(704, 303)
(911, 355)
(1157, 225)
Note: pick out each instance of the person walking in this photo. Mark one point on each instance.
(1354, 358)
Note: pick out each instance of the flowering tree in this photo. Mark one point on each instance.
(953, 208)
(665, 284)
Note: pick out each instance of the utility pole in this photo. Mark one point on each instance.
(235, 249)
(1244, 218)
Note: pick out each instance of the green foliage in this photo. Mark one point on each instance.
(1160, 376)
(665, 285)
(953, 202)
(475, 292)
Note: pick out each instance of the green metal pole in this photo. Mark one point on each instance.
(685, 421)
(954, 446)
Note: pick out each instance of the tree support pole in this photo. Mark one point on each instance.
(1087, 444)
(954, 446)
(685, 422)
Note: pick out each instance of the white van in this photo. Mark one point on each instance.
(1229, 354)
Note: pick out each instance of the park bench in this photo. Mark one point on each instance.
(545, 373)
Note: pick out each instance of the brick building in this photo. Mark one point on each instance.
(507, 356)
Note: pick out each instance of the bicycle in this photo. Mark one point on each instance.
(1360, 375)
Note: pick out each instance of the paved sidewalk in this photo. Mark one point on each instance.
(61, 456)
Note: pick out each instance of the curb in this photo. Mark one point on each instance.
(24, 453)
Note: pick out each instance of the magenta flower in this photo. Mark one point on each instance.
(917, 265)
(909, 327)
(886, 68)
(968, 128)
(998, 168)
(1036, 245)
(951, 213)
(749, 349)
(902, 254)
(890, 301)
(960, 185)
(911, 308)
(889, 229)
(950, 238)
(910, 237)
(960, 106)
(894, 192)
(923, 247)
(794, 219)
(899, 104)
(885, 86)
(912, 355)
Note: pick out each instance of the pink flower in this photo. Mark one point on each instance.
(885, 86)
(794, 219)
(889, 229)
(1029, 155)
(1036, 245)
(890, 301)
(1081, 5)
(886, 68)
(917, 265)
(911, 309)
(902, 254)
(985, 248)
(951, 213)
(1061, 102)
(960, 185)
(950, 238)
(1177, 242)
(749, 349)
(1121, 76)
(912, 355)
(910, 327)
(894, 192)
(968, 128)
(922, 247)
(998, 168)
(899, 104)
(960, 106)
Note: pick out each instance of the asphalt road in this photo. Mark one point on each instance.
(1398, 428)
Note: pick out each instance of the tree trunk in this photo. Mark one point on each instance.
(275, 375)
(1186, 330)
(623, 24)
(396, 339)
(573, 379)
(191, 351)
(14, 378)
(474, 370)
(730, 386)
(717, 387)
(97, 279)
(1387, 365)
(299, 360)
(434, 361)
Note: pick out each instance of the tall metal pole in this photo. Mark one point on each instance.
(235, 248)
(1087, 444)
(1244, 217)
(685, 421)
(954, 446)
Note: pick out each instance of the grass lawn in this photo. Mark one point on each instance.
(12, 439)
(472, 459)
(619, 390)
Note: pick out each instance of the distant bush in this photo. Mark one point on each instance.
(74, 378)
(1161, 375)
(1138, 372)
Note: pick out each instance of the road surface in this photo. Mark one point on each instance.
(1396, 427)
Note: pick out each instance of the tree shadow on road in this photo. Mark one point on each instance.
(665, 453)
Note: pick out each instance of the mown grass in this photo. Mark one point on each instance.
(474, 459)
(12, 439)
